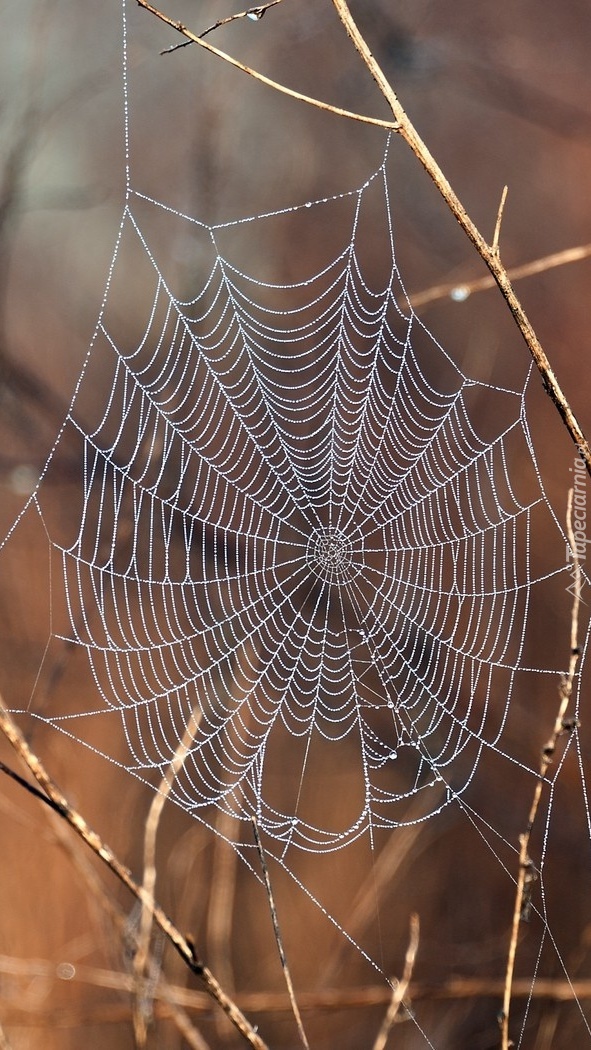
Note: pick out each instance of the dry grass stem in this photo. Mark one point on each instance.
(220, 910)
(400, 988)
(185, 949)
(141, 957)
(278, 938)
(526, 867)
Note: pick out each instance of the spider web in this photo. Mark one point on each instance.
(297, 542)
(287, 526)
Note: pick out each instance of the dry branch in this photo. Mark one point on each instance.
(183, 946)
(141, 957)
(250, 12)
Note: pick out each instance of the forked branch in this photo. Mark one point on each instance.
(489, 253)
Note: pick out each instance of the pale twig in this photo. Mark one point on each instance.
(400, 987)
(278, 939)
(149, 879)
(497, 233)
(463, 289)
(485, 250)
(180, 28)
(182, 945)
(251, 12)
(526, 868)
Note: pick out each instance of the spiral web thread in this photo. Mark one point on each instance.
(292, 526)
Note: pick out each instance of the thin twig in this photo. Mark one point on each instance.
(149, 878)
(251, 12)
(183, 946)
(486, 251)
(497, 233)
(526, 867)
(180, 28)
(516, 273)
(400, 987)
(278, 939)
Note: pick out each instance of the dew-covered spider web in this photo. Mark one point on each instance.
(298, 542)
(289, 526)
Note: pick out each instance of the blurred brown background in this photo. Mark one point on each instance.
(501, 95)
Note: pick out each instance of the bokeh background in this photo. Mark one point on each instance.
(501, 96)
